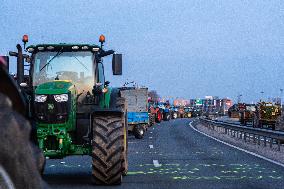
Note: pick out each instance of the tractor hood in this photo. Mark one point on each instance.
(55, 87)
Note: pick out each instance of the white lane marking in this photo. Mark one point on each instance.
(156, 163)
(151, 132)
(62, 162)
(246, 151)
(6, 178)
(150, 137)
(151, 146)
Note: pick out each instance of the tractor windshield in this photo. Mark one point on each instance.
(77, 67)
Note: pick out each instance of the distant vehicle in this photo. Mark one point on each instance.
(166, 111)
(266, 115)
(156, 115)
(137, 103)
(181, 112)
(246, 112)
(187, 112)
(196, 112)
(174, 112)
(233, 111)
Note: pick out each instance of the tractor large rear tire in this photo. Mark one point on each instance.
(18, 161)
(138, 131)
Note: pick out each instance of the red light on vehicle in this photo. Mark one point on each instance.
(25, 38)
(102, 38)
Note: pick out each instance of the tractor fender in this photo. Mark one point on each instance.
(113, 104)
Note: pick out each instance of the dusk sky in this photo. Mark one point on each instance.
(179, 48)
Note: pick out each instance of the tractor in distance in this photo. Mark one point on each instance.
(166, 111)
(155, 114)
(71, 106)
(246, 112)
(187, 112)
(266, 115)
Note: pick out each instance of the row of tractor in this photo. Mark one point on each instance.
(72, 110)
(260, 115)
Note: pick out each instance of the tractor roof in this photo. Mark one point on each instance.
(63, 47)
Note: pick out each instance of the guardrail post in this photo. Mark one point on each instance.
(258, 139)
(245, 136)
(264, 141)
(278, 144)
(226, 131)
(271, 141)
(253, 138)
(249, 139)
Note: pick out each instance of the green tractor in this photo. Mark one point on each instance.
(72, 108)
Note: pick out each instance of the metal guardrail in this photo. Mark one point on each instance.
(246, 133)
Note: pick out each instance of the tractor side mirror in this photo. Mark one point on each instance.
(4, 62)
(117, 64)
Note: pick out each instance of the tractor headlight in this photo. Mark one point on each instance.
(61, 98)
(40, 98)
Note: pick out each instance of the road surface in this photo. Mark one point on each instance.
(172, 155)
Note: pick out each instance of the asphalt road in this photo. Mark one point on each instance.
(172, 155)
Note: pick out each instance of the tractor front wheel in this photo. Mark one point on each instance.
(108, 149)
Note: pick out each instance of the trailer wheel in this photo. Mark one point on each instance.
(138, 132)
(108, 149)
(167, 116)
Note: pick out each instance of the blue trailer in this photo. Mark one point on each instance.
(137, 108)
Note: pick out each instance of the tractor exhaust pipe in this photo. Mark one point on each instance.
(20, 65)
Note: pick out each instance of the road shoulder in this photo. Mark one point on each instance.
(251, 147)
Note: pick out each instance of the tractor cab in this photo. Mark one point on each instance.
(66, 69)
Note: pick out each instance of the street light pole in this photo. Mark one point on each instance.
(281, 95)
(239, 98)
(261, 98)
